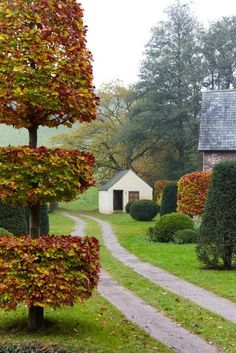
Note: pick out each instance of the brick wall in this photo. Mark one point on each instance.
(211, 158)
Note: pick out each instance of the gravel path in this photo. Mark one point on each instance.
(149, 319)
(200, 296)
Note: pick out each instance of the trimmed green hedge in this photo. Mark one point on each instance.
(217, 243)
(169, 198)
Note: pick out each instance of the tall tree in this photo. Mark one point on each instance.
(45, 79)
(219, 54)
(170, 83)
(106, 137)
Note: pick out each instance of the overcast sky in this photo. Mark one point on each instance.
(119, 29)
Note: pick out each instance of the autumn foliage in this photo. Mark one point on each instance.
(31, 175)
(45, 67)
(192, 192)
(48, 271)
(158, 189)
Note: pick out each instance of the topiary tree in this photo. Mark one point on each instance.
(12, 218)
(192, 192)
(169, 198)
(217, 243)
(46, 80)
(143, 210)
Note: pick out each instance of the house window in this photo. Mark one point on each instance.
(133, 195)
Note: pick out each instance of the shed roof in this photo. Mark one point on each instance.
(218, 121)
(114, 180)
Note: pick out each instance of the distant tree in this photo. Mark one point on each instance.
(105, 137)
(219, 54)
(169, 90)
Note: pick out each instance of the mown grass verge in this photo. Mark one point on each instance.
(197, 320)
(180, 260)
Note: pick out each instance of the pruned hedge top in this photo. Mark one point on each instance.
(31, 175)
(48, 271)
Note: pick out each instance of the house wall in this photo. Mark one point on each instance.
(129, 182)
(105, 202)
(210, 158)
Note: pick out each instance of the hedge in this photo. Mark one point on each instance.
(192, 192)
(48, 271)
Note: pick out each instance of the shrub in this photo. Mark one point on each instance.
(167, 225)
(169, 198)
(192, 192)
(32, 347)
(186, 236)
(127, 206)
(217, 242)
(47, 271)
(158, 189)
(144, 210)
(4, 232)
(12, 218)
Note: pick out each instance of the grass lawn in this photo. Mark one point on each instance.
(94, 327)
(178, 259)
(86, 202)
(200, 321)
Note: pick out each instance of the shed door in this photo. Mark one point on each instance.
(133, 196)
(118, 200)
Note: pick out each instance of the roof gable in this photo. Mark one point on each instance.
(113, 180)
(117, 177)
(218, 121)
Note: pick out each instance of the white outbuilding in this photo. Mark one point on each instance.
(125, 186)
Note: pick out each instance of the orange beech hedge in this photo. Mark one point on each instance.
(48, 271)
(31, 175)
(192, 192)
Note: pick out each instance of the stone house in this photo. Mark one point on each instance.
(125, 186)
(217, 137)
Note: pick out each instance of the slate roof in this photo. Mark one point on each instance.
(113, 180)
(218, 121)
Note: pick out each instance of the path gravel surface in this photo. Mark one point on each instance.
(208, 300)
(137, 311)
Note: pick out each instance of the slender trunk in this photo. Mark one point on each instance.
(36, 313)
(33, 136)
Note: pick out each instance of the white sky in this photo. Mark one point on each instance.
(119, 29)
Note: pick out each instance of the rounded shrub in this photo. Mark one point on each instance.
(167, 225)
(5, 232)
(144, 210)
(128, 205)
(169, 198)
(186, 236)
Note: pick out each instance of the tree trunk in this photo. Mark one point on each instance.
(35, 318)
(33, 136)
(36, 313)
